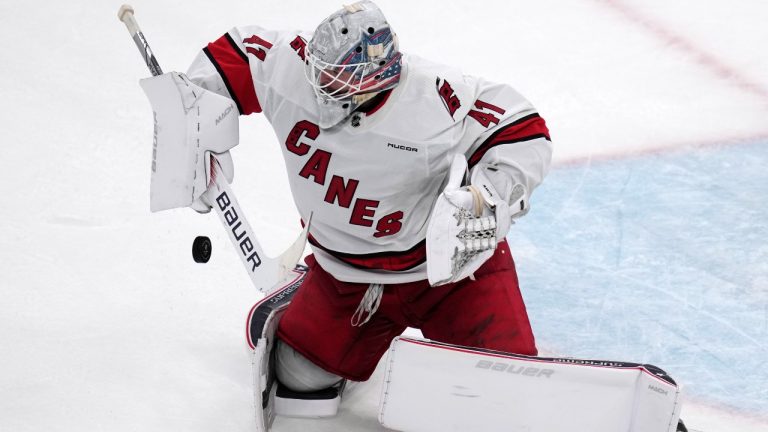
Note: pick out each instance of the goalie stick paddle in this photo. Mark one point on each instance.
(264, 271)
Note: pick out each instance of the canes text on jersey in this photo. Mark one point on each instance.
(339, 190)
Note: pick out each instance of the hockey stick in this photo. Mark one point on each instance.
(263, 270)
(125, 14)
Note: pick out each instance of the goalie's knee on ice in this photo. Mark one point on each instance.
(298, 373)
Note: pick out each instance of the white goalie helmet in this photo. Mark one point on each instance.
(352, 55)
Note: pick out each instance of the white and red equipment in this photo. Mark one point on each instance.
(432, 386)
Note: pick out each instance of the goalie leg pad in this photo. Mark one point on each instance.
(494, 391)
(261, 328)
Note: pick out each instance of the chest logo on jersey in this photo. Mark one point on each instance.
(339, 191)
(402, 147)
(451, 102)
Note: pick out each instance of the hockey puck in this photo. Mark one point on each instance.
(201, 249)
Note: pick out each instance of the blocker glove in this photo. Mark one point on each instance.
(192, 125)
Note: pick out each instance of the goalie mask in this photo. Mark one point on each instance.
(352, 56)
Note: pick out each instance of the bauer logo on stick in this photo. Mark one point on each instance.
(234, 223)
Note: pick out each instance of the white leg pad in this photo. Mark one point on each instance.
(431, 386)
(261, 328)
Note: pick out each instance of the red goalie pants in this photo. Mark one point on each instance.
(487, 312)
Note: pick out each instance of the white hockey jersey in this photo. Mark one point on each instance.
(370, 182)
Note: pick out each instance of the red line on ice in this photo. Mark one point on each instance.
(702, 57)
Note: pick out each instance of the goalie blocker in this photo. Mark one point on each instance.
(487, 390)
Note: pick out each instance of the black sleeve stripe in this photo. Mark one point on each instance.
(521, 139)
(224, 78)
(236, 48)
(479, 155)
(528, 128)
(511, 125)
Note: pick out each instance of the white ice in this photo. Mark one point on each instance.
(108, 324)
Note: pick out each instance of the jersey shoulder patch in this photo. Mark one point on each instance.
(449, 87)
(276, 62)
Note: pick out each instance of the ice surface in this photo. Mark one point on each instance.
(661, 259)
(108, 324)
